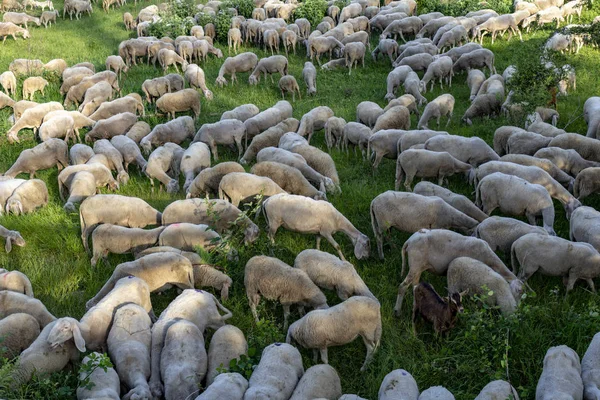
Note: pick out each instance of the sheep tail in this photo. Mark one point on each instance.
(288, 337)
(478, 196)
(404, 250)
(513, 259)
(28, 289)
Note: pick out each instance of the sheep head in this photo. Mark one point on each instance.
(14, 206)
(13, 237)
(251, 233)
(362, 247)
(221, 81)
(65, 329)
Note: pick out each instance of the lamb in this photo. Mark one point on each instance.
(439, 107)
(208, 180)
(129, 346)
(31, 118)
(242, 113)
(197, 306)
(33, 84)
(269, 138)
(228, 343)
(433, 250)
(29, 196)
(500, 233)
(240, 186)
(194, 75)
(368, 112)
(340, 324)
(398, 383)
(297, 212)
(243, 62)
(115, 239)
(583, 226)
(475, 79)
(288, 178)
(470, 150)
(226, 386)
(475, 59)
(441, 313)
(117, 210)
(101, 173)
(461, 203)
(555, 172)
(43, 156)
(334, 64)
(10, 238)
(288, 84)
(277, 374)
(416, 137)
(268, 118)
(103, 382)
(175, 131)
(18, 331)
(319, 381)
(516, 196)
(589, 369)
(561, 376)
(467, 274)
(440, 69)
(8, 80)
(427, 164)
(497, 390)
(108, 128)
(181, 101)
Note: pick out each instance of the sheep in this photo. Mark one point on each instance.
(129, 346)
(288, 84)
(168, 57)
(408, 25)
(269, 66)
(197, 306)
(80, 153)
(226, 386)
(277, 374)
(427, 164)
(175, 131)
(417, 62)
(43, 156)
(478, 58)
(268, 138)
(129, 151)
(297, 212)
(240, 186)
(228, 343)
(436, 392)
(268, 118)
(94, 96)
(127, 104)
(10, 29)
(397, 117)
(181, 101)
(128, 21)
(483, 105)
(138, 131)
(22, 66)
(384, 144)
(467, 274)
(439, 107)
(588, 148)
(320, 162)
(323, 44)
(548, 114)
(475, 79)
(407, 100)
(108, 128)
(194, 160)
(461, 203)
(583, 226)
(194, 75)
(434, 249)
(497, 390)
(543, 128)
(58, 127)
(501, 136)
(13, 303)
(227, 132)
(555, 172)
(288, 178)
(334, 128)
(526, 143)
(33, 84)
(186, 236)
(440, 68)
(114, 157)
(411, 87)
(15, 281)
(103, 382)
(18, 331)
(441, 313)
(20, 18)
(20, 107)
(470, 150)
(208, 180)
(7, 187)
(243, 62)
(589, 369)
(353, 53)
(154, 88)
(242, 113)
(586, 182)
(561, 376)
(386, 46)
(497, 24)
(500, 233)
(368, 112)
(516, 196)
(10, 238)
(115, 239)
(31, 118)
(416, 137)
(101, 174)
(8, 80)
(117, 210)
(398, 383)
(319, 381)
(340, 324)
(163, 164)
(314, 120)
(27, 197)
(80, 120)
(334, 64)
(81, 186)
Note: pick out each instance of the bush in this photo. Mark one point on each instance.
(312, 10)
(462, 7)
(243, 7)
(203, 19)
(222, 25)
(176, 21)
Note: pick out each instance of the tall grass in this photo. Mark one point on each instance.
(483, 346)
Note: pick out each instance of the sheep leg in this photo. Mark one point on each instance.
(571, 282)
(590, 283)
(254, 300)
(370, 345)
(286, 315)
(411, 279)
(330, 239)
(318, 242)
(415, 317)
(324, 357)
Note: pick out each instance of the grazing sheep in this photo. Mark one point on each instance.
(309, 74)
(155, 88)
(268, 118)
(411, 86)
(496, 390)
(18, 331)
(103, 382)
(15, 281)
(243, 62)
(209, 179)
(543, 128)
(80, 153)
(470, 150)
(8, 80)
(224, 132)
(194, 75)
(440, 69)
(590, 370)
(436, 393)
(467, 274)
(288, 178)
(339, 325)
(427, 164)
(163, 164)
(242, 113)
(58, 127)
(407, 100)
(410, 212)
(353, 53)
(561, 376)
(115, 125)
(384, 144)
(181, 101)
(29, 196)
(314, 120)
(269, 66)
(334, 131)
(31, 118)
(417, 62)
(288, 84)
(588, 148)
(478, 58)
(14, 303)
(95, 96)
(186, 236)
(433, 250)
(114, 158)
(398, 384)
(138, 131)
(101, 174)
(461, 203)
(318, 382)
(33, 84)
(6, 101)
(441, 106)
(43, 156)
(10, 238)
(526, 143)
(116, 239)
(226, 386)
(297, 213)
(238, 187)
(129, 151)
(81, 186)
(475, 79)
(269, 138)
(323, 44)
(117, 210)
(586, 182)
(168, 57)
(228, 343)
(386, 46)
(547, 165)
(397, 117)
(175, 131)
(500, 233)
(196, 306)
(128, 344)
(416, 137)
(194, 160)
(584, 226)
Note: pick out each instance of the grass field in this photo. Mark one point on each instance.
(484, 345)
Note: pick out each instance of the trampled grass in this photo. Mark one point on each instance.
(484, 346)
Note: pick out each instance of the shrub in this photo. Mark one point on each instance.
(176, 21)
(461, 7)
(312, 10)
(243, 7)
(222, 24)
(202, 19)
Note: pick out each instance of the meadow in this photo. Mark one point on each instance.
(484, 345)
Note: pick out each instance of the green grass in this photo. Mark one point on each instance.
(483, 346)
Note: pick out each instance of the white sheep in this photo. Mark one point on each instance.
(228, 343)
(460, 202)
(226, 386)
(590, 369)
(561, 376)
(239, 186)
(500, 232)
(242, 113)
(472, 150)
(436, 393)
(441, 106)
(103, 383)
(584, 226)
(224, 132)
(496, 390)
(15, 281)
(318, 382)
(163, 164)
(398, 384)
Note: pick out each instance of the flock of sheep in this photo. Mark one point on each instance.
(154, 357)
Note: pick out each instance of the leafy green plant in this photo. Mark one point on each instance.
(243, 7)
(95, 361)
(312, 10)
(244, 365)
(341, 3)
(462, 7)
(177, 20)
(222, 24)
(204, 18)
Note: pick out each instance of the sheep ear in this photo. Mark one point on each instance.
(79, 342)
(8, 245)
